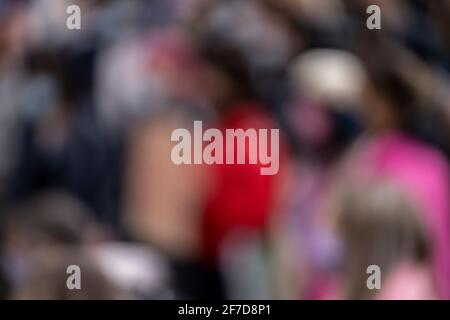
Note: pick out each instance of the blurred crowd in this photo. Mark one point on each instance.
(86, 177)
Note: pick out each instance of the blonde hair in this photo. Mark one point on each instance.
(379, 225)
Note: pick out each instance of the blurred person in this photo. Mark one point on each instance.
(43, 236)
(139, 75)
(388, 149)
(12, 44)
(47, 220)
(322, 115)
(61, 141)
(428, 120)
(263, 37)
(240, 201)
(162, 200)
(47, 278)
(62, 144)
(380, 225)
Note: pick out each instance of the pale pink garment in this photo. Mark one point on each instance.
(424, 173)
(408, 282)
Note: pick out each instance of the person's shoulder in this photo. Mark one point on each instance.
(428, 154)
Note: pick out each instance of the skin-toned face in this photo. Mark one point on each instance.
(12, 28)
(379, 114)
(219, 87)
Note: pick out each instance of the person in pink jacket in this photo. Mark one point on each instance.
(386, 151)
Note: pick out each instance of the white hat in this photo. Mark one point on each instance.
(329, 75)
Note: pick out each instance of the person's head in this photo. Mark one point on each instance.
(53, 276)
(51, 218)
(47, 220)
(12, 28)
(227, 77)
(390, 98)
(379, 225)
(389, 102)
(326, 87)
(42, 223)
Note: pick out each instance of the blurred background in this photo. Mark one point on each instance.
(86, 177)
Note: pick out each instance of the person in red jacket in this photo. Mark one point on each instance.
(240, 198)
